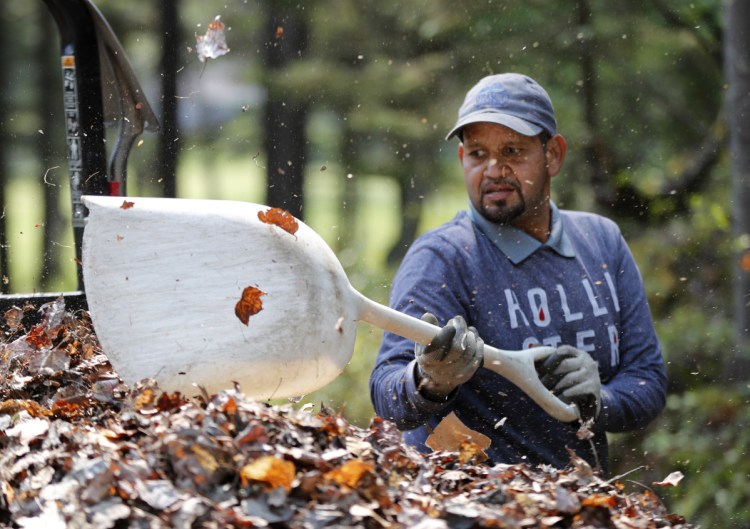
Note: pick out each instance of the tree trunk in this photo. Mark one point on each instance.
(413, 187)
(285, 118)
(596, 156)
(169, 138)
(4, 53)
(737, 65)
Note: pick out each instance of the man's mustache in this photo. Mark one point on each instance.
(503, 182)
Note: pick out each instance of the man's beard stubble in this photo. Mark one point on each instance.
(505, 213)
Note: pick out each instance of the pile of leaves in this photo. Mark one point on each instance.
(80, 449)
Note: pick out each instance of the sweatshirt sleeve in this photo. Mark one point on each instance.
(420, 285)
(636, 393)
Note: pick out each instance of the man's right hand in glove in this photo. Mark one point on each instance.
(451, 359)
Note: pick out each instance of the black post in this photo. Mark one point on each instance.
(169, 140)
(84, 114)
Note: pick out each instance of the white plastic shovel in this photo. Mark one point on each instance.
(163, 278)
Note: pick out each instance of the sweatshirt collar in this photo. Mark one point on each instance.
(518, 245)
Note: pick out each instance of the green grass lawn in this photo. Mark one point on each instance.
(24, 217)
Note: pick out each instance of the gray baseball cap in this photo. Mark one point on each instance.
(509, 99)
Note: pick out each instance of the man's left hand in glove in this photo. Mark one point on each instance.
(573, 376)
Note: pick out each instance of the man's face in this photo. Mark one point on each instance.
(508, 175)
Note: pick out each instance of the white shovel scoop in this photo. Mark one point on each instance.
(164, 278)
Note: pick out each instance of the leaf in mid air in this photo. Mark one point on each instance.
(671, 480)
(213, 44)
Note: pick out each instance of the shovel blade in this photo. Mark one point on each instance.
(163, 277)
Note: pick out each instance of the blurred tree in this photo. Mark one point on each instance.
(4, 172)
(169, 139)
(285, 113)
(737, 58)
(610, 165)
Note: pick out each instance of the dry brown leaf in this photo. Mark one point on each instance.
(38, 337)
(205, 458)
(451, 433)
(170, 401)
(14, 406)
(471, 452)
(145, 400)
(213, 44)
(350, 473)
(672, 480)
(599, 500)
(281, 218)
(273, 471)
(13, 317)
(249, 304)
(230, 406)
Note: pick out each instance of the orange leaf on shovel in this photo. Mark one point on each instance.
(249, 305)
(281, 218)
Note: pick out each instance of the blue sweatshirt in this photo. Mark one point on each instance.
(581, 288)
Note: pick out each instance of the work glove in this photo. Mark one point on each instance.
(573, 376)
(451, 358)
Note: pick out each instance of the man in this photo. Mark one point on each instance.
(515, 271)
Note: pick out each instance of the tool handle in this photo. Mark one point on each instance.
(516, 366)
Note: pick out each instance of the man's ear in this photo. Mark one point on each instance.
(461, 152)
(556, 147)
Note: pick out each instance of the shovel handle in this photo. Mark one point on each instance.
(516, 366)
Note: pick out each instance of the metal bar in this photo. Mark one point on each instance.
(74, 301)
(84, 113)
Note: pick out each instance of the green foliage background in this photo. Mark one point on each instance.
(638, 89)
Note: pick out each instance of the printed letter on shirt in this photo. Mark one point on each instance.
(553, 341)
(539, 307)
(514, 308)
(581, 341)
(598, 309)
(569, 316)
(612, 290)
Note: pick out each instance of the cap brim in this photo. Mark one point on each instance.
(521, 126)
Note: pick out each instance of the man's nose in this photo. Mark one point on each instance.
(496, 168)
